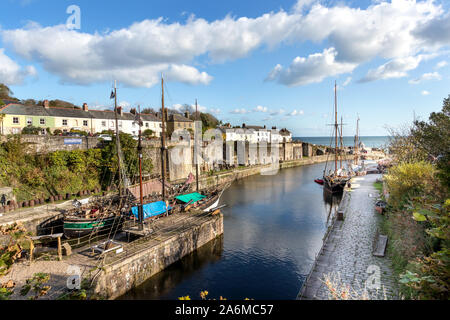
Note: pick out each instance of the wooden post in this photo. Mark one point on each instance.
(31, 250)
(59, 249)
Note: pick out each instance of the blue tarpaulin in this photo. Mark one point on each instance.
(151, 209)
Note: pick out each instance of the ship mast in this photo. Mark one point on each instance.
(357, 142)
(341, 143)
(196, 156)
(141, 207)
(336, 128)
(117, 138)
(163, 142)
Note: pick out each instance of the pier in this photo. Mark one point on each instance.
(347, 251)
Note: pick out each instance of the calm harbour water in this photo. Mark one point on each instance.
(369, 141)
(273, 228)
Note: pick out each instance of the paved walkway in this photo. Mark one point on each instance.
(347, 253)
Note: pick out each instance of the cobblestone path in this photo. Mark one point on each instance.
(347, 253)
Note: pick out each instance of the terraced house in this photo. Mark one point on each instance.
(16, 117)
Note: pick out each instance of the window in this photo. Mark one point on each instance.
(16, 120)
(29, 121)
(146, 124)
(103, 123)
(85, 123)
(42, 121)
(111, 124)
(64, 122)
(43, 131)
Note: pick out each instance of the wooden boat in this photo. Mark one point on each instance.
(101, 215)
(319, 181)
(335, 181)
(75, 227)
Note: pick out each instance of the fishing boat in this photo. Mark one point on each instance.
(336, 180)
(205, 201)
(98, 216)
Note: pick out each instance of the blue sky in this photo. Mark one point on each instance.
(258, 62)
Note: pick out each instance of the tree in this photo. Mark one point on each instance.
(147, 133)
(432, 138)
(148, 111)
(5, 92)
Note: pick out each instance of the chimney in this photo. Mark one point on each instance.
(85, 107)
(120, 111)
(46, 104)
(243, 125)
(264, 126)
(274, 128)
(186, 114)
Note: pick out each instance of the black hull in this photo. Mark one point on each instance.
(77, 228)
(335, 186)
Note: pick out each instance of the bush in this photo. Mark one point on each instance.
(57, 132)
(31, 130)
(408, 179)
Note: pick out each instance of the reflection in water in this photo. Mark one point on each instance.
(331, 202)
(163, 282)
(273, 228)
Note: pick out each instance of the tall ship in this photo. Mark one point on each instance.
(137, 205)
(335, 180)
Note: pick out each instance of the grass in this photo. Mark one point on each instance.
(379, 186)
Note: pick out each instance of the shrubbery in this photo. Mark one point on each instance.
(32, 175)
(418, 215)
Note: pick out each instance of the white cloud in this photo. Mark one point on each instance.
(215, 111)
(441, 64)
(136, 55)
(239, 111)
(296, 113)
(347, 81)
(396, 68)
(426, 77)
(187, 74)
(260, 109)
(277, 112)
(125, 104)
(11, 73)
(312, 69)
(425, 93)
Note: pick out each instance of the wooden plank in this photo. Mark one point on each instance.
(59, 249)
(47, 236)
(380, 247)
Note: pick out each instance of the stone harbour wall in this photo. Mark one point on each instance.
(119, 277)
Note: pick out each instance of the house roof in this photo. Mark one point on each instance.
(18, 109)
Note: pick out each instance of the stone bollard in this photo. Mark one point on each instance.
(88, 192)
(67, 196)
(26, 204)
(340, 215)
(51, 199)
(31, 203)
(79, 194)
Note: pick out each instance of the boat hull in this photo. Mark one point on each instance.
(77, 228)
(335, 185)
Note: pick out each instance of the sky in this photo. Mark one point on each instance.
(254, 62)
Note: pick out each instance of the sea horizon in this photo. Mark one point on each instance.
(369, 141)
